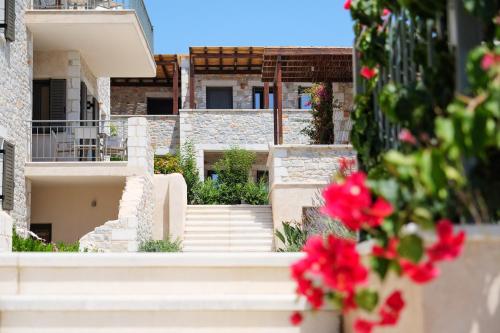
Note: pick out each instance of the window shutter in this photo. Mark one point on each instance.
(58, 99)
(8, 176)
(95, 110)
(83, 101)
(10, 20)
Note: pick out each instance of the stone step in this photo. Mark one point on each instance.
(265, 313)
(230, 248)
(229, 235)
(148, 274)
(230, 223)
(225, 228)
(228, 242)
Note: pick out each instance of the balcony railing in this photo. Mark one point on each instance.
(137, 5)
(73, 141)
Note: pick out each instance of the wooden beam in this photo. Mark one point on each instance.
(278, 95)
(294, 51)
(227, 71)
(192, 104)
(226, 56)
(175, 90)
(266, 95)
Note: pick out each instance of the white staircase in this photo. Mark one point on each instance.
(152, 293)
(241, 228)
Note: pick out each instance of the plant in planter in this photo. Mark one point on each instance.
(438, 171)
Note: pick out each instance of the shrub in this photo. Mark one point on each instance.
(206, 193)
(167, 164)
(235, 166)
(255, 193)
(20, 244)
(161, 246)
(189, 169)
(293, 237)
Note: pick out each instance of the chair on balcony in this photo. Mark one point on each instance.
(86, 143)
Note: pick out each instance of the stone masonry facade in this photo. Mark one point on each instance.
(133, 100)
(15, 105)
(240, 127)
(303, 164)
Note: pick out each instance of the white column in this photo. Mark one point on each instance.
(73, 86)
(140, 150)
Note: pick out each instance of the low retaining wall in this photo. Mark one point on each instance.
(297, 173)
(5, 232)
(465, 298)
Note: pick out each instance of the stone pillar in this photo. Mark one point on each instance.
(73, 84)
(184, 82)
(140, 150)
(200, 162)
(5, 232)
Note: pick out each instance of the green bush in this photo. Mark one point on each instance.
(206, 193)
(235, 166)
(189, 169)
(255, 193)
(293, 237)
(167, 164)
(20, 244)
(161, 246)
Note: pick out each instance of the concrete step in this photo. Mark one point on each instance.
(230, 223)
(230, 248)
(229, 235)
(148, 274)
(266, 313)
(224, 228)
(228, 242)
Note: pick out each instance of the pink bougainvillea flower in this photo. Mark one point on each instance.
(419, 273)
(390, 311)
(448, 245)
(346, 164)
(395, 301)
(363, 326)
(487, 61)
(406, 136)
(296, 318)
(386, 12)
(351, 203)
(347, 4)
(368, 73)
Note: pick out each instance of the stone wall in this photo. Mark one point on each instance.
(240, 127)
(342, 124)
(133, 100)
(15, 104)
(104, 97)
(304, 164)
(242, 90)
(5, 232)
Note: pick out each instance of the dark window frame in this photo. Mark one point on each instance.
(260, 89)
(169, 106)
(38, 229)
(301, 92)
(219, 89)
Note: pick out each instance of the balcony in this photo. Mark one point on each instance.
(78, 141)
(114, 37)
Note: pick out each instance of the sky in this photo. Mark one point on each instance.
(179, 24)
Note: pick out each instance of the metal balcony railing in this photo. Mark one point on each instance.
(74, 141)
(137, 5)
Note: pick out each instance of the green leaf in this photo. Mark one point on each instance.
(367, 299)
(380, 266)
(411, 247)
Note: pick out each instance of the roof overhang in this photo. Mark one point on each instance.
(112, 42)
(308, 64)
(166, 66)
(226, 60)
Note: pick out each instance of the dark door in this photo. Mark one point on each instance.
(219, 97)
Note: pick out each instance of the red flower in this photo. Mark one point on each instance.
(368, 73)
(487, 61)
(406, 136)
(351, 203)
(363, 326)
(346, 165)
(390, 311)
(296, 319)
(334, 263)
(448, 246)
(419, 273)
(390, 252)
(386, 12)
(347, 4)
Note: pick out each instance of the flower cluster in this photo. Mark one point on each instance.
(332, 268)
(351, 202)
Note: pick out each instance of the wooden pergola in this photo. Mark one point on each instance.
(167, 75)
(222, 60)
(302, 64)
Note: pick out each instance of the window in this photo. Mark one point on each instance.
(258, 97)
(160, 106)
(262, 175)
(44, 231)
(212, 175)
(219, 97)
(8, 19)
(304, 98)
(49, 99)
